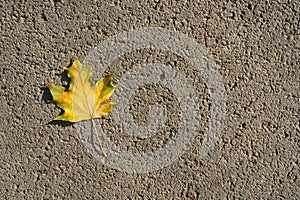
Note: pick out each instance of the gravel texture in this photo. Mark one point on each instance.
(255, 45)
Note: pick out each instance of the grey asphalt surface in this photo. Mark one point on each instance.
(255, 45)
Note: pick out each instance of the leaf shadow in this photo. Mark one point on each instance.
(64, 76)
(46, 97)
(61, 123)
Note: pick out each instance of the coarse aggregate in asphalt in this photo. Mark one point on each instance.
(255, 46)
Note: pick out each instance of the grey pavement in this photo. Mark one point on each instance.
(255, 46)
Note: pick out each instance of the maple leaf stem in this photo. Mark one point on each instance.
(98, 138)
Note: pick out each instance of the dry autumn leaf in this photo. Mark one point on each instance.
(83, 100)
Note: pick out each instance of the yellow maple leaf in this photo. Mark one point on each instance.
(83, 100)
